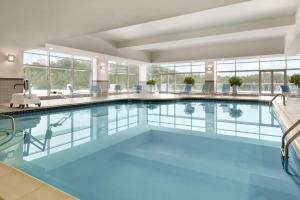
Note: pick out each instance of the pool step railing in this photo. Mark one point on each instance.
(277, 95)
(285, 146)
(13, 123)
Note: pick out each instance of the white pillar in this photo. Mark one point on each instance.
(100, 75)
(210, 76)
(143, 76)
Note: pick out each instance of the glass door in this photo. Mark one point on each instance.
(266, 82)
(278, 80)
(164, 83)
(270, 81)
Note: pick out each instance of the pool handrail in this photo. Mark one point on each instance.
(277, 95)
(13, 123)
(285, 147)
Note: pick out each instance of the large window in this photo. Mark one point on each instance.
(246, 69)
(50, 71)
(36, 71)
(293, 67)
(170, 77)
(249, 70)
(127, 76)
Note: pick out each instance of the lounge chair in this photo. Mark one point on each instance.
(205, 88)
(225, 89)
(71, 89)
(118, 89)
(286, 90)
(95, 90)
(139, 89)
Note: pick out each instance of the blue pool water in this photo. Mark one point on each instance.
(156, 151)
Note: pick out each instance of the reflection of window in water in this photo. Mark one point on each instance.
(66, 130)
(243, 120)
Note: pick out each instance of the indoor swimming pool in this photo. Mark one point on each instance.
(132, 150)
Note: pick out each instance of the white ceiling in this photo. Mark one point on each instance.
(247, 11)
(139, 28)
(28, 23)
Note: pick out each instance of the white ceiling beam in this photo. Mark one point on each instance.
(189, 37)
(226, 50)
(35, 22)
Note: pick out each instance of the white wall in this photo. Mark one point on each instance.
(226, 50)
(292, 39)
(11, 70)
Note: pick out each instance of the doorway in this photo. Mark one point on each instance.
(271, 80)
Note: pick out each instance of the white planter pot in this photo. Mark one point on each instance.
(234, 90)
(151, 88)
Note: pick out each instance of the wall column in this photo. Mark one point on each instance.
(210, 76)
(100, 75)
(143, 76)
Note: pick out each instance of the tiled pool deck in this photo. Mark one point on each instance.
(54, 103)
(17, 185)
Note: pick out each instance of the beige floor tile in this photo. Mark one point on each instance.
(46, 193)
(16, 184)
(4, 169)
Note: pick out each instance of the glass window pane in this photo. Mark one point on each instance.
(121, 79)
(179, 81)
(182, 64)
(183, 69)
(171, 83)
(293, 64)
(226, 67)
(278, 78)
(272, 65)
(226, 62)
(199, 81)
(58, 62)
(133, 70)
(61, 55)
(82, 80)
(38, 79)
(198, 67)
(60, 79)
(250, 82)
(164, 84)
(294, 88)
(133, 81)
(35, 59)
(243, 66)
(165, 69)
(222, 78)
(272, 59)
(82, 64)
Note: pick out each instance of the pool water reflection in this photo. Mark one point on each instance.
(51, 132)
(138, 150)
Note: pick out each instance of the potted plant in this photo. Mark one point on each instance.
(189, 82)
(234, 83)
(151, 84)
(295, 79)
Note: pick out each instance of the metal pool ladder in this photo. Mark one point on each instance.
(277, 95)
(285, 147)
(13, 123)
